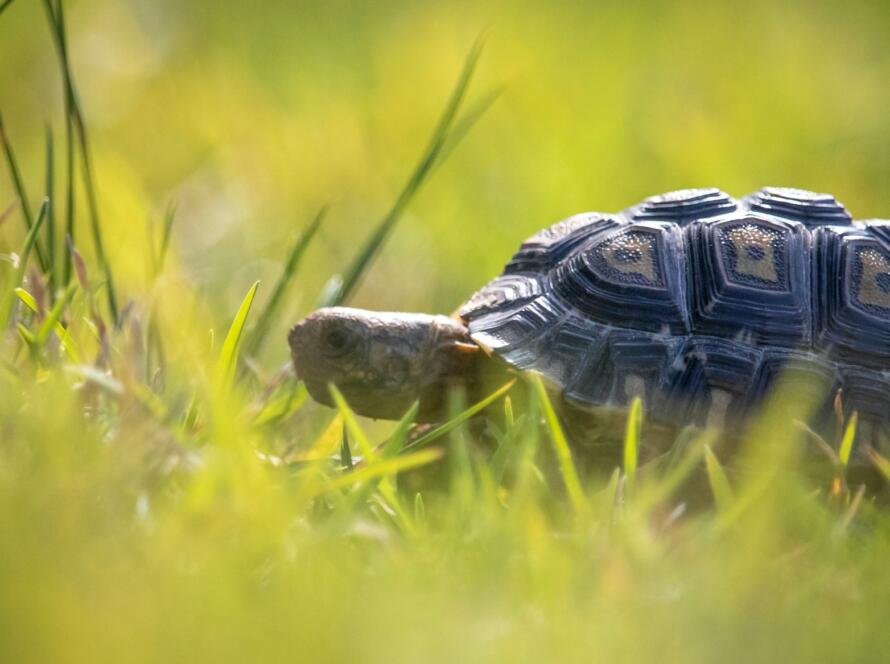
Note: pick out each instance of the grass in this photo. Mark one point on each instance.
(165, 496)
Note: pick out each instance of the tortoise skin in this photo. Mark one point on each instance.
(697, 301)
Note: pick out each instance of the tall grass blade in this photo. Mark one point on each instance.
(19, 186)
(4, 5)
(459, 419)
(561, 447)
(76, 120)
(720, 487)
(228, 354)
(632, 441)
(431, 156)
(50, 192)
(267, 318)
(467, 122)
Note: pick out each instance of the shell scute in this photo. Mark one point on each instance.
(750, 275)
(808, 207)
(852, 296)
(685, 205)
(630, 277)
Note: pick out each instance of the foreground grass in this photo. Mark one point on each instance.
(163, 498)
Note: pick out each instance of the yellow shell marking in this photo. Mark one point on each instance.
(870, 292)
(631, 254)
(755, 254)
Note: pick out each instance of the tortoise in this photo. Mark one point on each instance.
(693, 300)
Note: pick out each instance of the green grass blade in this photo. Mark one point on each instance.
(431, 156)
(19, 186)
(456, 421)
(61, 331)
(228, 354)
(267, 318)
(345, 452)
(167, 228)
(54, 316)
(4, 5)
(561, 447)
(720, 487)
(467, 122)
(846, 448)
(75, 116)
(50, 187)
(351, 424)
(30, 241)
(396, 440)
(379, 470)
(632, 441)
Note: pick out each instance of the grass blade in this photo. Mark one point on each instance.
(30, 242)
(61, 331)
(718, 481)
(393, 444)
(456, 421)
(847, 441)
(4, 5)
(160, 257)
(632, 441)
(75, 117)
(53, 317)
(561, 447)
(345, 452)
(228, 354)
(50, 186)
(267, 317)
(385, 467)
(431, 156)
(19, 187)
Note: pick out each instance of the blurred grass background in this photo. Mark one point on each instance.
(250, 119)
(155, 520)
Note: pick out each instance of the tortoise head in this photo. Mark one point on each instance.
(382, 362)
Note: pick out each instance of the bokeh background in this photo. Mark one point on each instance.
(250, 116)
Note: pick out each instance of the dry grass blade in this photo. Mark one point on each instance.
(267, 318)
(433, 155)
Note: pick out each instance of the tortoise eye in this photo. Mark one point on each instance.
(336, 341)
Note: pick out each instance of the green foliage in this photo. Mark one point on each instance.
(162, 499)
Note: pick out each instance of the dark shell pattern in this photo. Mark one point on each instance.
(697, 302)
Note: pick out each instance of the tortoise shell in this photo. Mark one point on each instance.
(696, 302)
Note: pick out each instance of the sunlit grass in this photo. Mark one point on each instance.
(166, 497)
